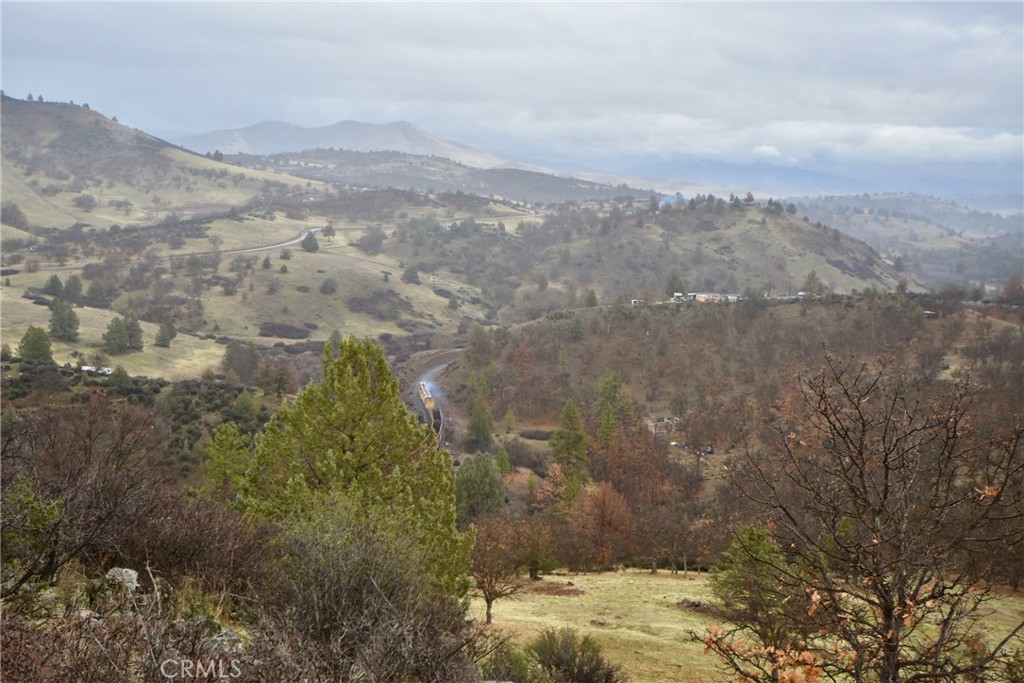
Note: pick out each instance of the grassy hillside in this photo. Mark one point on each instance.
(65, 164)
(214, 247)
(434, 173)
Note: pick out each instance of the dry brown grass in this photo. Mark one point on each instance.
(632, 614)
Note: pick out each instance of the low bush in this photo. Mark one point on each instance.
(568, 658)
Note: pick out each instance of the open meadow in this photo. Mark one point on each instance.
(634, 615)
(637, 619)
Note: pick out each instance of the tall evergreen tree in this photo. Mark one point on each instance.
(72, 290)
(569, 443)
(480, 430)
(134, 330)
(351, 439)
(35, 346)
(115, 339)
(165, 334)
(53, 286)
(613, 407)
(63, 321)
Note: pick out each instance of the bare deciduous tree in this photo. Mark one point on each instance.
(892, 511)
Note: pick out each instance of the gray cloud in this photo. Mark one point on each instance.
(854, 82)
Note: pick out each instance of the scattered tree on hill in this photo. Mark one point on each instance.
(266, 263)
(241, 360)
(894, 509)
(85, 202)
(165, 334)
(286, 254)
(101, 293)
(115, 339)
(411, 274)
(602, 525)
(72, 292)
(329, 286)
(35, 346)
(63, 321)
(134, 330)
(53, 286)
(372, 241)
(812, 285)
(13, 216)
(309, 242)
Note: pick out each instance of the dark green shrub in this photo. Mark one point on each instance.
(568, 658)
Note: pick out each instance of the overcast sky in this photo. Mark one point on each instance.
(819, 85)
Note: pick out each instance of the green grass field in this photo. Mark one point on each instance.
(186, 358)
(635, 617)
(632, 614)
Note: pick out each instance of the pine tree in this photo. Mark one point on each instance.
(134, 330)
(165, 334)
(613, 407)
(478, 488)
(72, 290)
(63, 322)
(350, 440)
(115, 339)
(53, 286)
(309, 242)
(480, 430)
(569, 443)
(35, 346)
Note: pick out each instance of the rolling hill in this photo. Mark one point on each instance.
(214, 247)
(65, 164)
(272, 137)
(430, 173)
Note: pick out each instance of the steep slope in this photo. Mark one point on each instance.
(65, 164)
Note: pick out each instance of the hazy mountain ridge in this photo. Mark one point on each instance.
(935, 237)
(275, 137)
(433, 173)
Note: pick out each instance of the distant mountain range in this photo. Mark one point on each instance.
(669, 175)
(273, 137)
